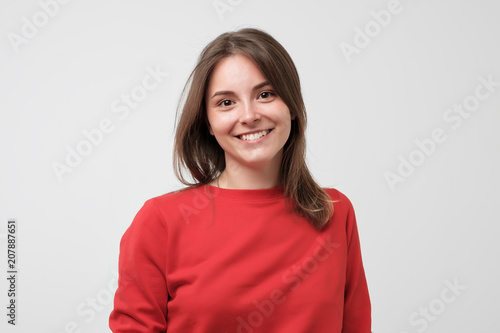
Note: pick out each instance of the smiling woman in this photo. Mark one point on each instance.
(218, 72)
(280, 253)
(251, 123)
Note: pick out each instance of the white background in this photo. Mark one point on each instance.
(438, 223)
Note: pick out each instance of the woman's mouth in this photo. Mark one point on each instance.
(254, 136)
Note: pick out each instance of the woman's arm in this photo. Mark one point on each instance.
(357, 306)
(140, 303)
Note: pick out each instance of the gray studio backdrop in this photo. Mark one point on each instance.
(403, 99)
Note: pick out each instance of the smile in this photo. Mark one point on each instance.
(254, 136)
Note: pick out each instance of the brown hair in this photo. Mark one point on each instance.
(198, 151)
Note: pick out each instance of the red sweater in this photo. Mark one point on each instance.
(210, 260)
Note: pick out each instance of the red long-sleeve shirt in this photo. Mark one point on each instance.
(210, 260)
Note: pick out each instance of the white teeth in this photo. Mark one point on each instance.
(253, 136)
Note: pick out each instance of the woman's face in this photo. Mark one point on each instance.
(248, 119)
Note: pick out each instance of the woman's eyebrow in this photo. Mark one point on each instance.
(261, 85)
(229, 92)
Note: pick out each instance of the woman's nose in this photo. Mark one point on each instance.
(249, 113)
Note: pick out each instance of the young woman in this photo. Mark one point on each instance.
(253, 243)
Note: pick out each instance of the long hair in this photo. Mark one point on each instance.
(196, 150)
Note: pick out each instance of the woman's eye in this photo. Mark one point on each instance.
(225, 102)
(266, 94)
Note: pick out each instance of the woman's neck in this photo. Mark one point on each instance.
(237, 176)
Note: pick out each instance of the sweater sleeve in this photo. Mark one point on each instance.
(140, 303)
(357, 306)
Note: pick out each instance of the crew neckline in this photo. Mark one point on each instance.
(246, 194)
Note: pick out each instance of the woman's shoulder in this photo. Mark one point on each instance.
(183, 196)
(339, 198)
(166, 206)
(179, 195)
(335, 194)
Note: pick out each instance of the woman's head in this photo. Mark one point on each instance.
(249, 120)
(196, 147)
